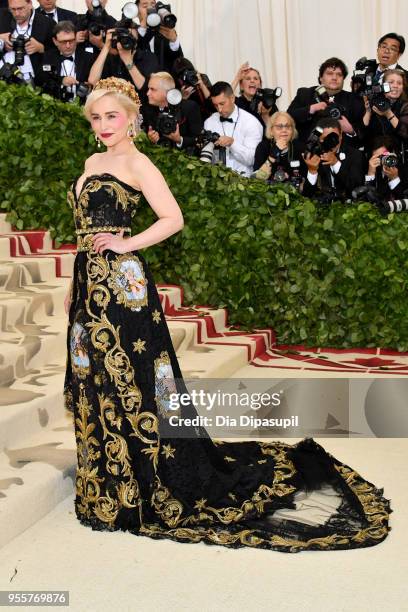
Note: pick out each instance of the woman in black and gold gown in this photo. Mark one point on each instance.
(131, 474)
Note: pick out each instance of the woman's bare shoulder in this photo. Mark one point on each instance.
(141, 164)
(92, 159)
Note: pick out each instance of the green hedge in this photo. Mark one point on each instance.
(332, 276)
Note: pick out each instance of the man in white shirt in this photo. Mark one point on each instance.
(21, 20)
(240, 133)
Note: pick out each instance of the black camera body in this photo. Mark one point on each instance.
(334, 110)
(124, 37)
(166, 122)
(375, 94)
(364, 68)
(189, 78)
(315, 146)
(267, 96)
(11, 74)
(122, 33)
(19, 43)
(389, 160)
(161, 15)
(93, 21)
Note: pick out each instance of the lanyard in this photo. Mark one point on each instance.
(235, 125)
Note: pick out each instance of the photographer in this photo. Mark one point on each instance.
(49, 9)
(278, 156)
(390, 48)
(329, 100)
(334, 168)
(93, 25)
(386, 172)
(240, 131)
(125, 61)
(65, 70)
(193, 85)
(250, 82)
(387, 114)
(26, 35)
(161, 40)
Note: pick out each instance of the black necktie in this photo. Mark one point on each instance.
(70, 58)
(222, 119)
(378, 75)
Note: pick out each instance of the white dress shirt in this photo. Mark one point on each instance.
(9, 57)
(68, 69)
(247, 133)
(174, 45)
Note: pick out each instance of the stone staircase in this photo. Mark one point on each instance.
(37, 445)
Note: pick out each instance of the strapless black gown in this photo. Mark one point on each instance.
(130, 476)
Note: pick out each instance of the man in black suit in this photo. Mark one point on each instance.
(162, 41)
(389, 180)
(49, 9)
(390, 48)
(308, 107)
(333, 175)
(97, 19)
(21, 19)
(65, 66)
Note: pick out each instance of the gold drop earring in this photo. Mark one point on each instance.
(131, 131)
(98, 142)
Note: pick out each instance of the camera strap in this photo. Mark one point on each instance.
(235, 125)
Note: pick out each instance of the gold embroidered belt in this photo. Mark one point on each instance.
(84, 236)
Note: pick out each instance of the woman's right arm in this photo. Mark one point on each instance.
(97, 67)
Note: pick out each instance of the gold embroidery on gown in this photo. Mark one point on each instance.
(121, 372)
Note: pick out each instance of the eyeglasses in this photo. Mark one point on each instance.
(282, 126)
(66, 42)
(393, 49)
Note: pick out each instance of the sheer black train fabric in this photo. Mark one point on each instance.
(121, 366)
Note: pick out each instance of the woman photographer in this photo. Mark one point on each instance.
(392, 121)
(249, 81)
(278, 155)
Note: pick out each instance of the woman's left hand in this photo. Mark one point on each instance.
(112, 242)
(385, 113)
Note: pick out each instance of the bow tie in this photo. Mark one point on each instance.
(70, 58)
(222, 119)
(50, 15)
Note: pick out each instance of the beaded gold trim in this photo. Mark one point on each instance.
(84, 237)
(105, 228)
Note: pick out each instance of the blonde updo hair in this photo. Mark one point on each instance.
(274, 119)
(129, 105)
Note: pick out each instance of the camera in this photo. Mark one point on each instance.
(167, 120)
(12, 75)
(19, 48)
(389, 160)
(206, 143)
(188, 77)
(375, 94)
(364, 67)
(316, 147)
(368, 193)
(267, 96)
(161, 15)
(94, 21)
(122, 34)
(333, 110)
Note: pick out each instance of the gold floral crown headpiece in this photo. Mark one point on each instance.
(121, 86)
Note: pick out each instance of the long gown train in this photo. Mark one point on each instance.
(130, 476)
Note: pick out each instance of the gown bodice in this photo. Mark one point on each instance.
(104, 204)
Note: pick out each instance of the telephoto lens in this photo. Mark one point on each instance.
(396, 206)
